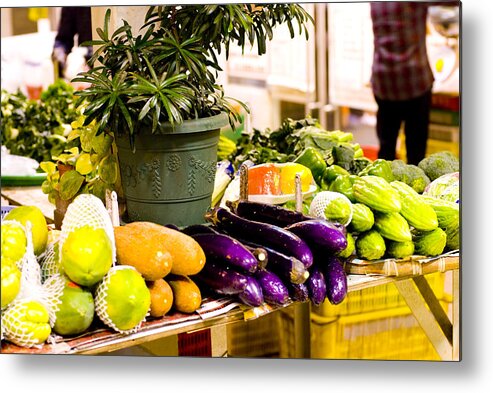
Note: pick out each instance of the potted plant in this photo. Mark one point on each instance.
(157, 93)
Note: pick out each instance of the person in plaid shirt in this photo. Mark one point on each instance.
(401, 79)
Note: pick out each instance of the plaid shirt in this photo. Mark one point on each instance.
(400, 69)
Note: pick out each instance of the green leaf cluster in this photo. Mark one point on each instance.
(167, 71)
(91, 166)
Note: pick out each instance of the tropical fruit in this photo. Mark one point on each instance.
(14, 241)
(86, 255)
(145, 251)
(39, 227)
(430, 243)
(186, 294)
(399, 249)
(11, 281)
(161, 297)
(122, 299)
(26, 323)
(370, 245)
(76, 311)
(187, 255)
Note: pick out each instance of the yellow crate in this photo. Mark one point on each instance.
(376, 298)
(255, 338)
(392, 334)
(373, 323)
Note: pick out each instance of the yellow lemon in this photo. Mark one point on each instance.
(39, 229)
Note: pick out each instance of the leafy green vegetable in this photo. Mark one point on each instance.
(38, 129)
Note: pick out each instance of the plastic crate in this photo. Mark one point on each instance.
(372, 323)
(255, 338)
(376, 298)
(391, 334)
(5, 210)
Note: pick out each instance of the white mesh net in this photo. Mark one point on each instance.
(101, 305)
(323, 199)
(87, 209)
(50, 262)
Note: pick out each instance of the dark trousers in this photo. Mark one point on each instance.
(415, 113)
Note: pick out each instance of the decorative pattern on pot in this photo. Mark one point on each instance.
(134, 175)
(196, 165)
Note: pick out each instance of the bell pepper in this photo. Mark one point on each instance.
(343, 184)
(381, 168)
(331, 172)
(314, 160)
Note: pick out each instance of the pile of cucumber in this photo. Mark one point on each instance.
(261, 253)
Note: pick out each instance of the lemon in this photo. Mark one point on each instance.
(39, 229)
(123, 298)
(14, 241)
(11, 281)
(76, 311)
(26, 323)
(86, 255)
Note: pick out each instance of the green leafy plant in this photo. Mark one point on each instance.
(38, 128)
(168, 72)
(90, 166)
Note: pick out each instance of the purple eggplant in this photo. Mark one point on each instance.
(263, 234)
(260, 254)
(252, 295)
(298, 292)
(320, 233)
(221, 279)
(336, 280)
(317, 288)
(197, 229)
(267, 213)
(289, 269)
(223, 248)
(273, 288)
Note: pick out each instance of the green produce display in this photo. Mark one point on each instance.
(343, 184)
(453, 238)
(447, 213)
(370, 245)
(379, 167)
(11, 281)
(410, 174)
(314, 160)
(363, 218)
(399, 249)
(376, 193)
(430, 243)
(414, 208)
(350, 248)
(38, 129)
(330, 174)
(392, 226)
(439, 164)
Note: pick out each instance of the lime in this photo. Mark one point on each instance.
(87, 255)
(39, 229)
(11, 281)
(76, 312)
(14, 241)
(126, 300)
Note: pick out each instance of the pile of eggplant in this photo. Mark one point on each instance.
(262, 253)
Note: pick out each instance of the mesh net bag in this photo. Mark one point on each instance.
(50, 262)
(101, 305)
(332, 206)
(87, 209)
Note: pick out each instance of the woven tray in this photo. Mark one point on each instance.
(413, 266)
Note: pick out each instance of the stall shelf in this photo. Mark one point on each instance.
(408, 276)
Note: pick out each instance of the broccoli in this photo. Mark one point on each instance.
(439, 164)
(418, 179)
(412, 175)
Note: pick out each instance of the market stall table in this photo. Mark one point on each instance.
(408, 276)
